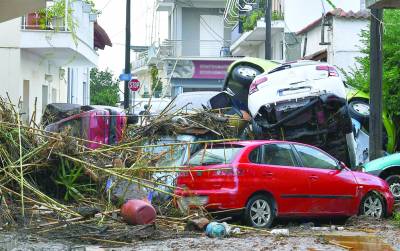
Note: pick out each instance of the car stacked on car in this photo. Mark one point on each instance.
(303, 101)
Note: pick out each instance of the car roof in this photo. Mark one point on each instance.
(256, 142)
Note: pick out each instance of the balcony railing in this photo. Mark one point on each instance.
(36, 21)
(176, 49)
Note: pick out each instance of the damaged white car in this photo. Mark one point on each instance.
(304, 101)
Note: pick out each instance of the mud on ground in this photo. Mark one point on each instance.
(357, 231)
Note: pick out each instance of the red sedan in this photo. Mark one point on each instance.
(269, 179)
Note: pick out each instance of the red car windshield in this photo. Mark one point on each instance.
(216, 155)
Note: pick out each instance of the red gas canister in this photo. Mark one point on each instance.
(138, 212)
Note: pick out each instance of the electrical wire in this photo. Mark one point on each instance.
(105, 6)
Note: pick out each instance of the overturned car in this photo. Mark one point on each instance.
(303, 101)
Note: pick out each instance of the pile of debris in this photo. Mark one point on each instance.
(51, 181)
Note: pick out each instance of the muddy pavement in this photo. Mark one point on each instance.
(356, 234)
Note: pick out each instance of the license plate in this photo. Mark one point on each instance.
(286, 92)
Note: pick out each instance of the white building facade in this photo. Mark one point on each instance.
(47, 63)
(290, 17)
(341, 37)
(196, 54)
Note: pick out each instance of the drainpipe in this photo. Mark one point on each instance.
(66, 15)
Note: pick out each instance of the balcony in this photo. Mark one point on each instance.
(165, 5)
(54, 38)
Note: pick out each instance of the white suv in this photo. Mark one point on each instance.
(303, 101)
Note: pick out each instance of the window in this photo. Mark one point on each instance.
(314, 158)
(217, 155)
(279, 155)
(255, 155)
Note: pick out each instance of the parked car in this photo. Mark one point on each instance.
(386, 168)
(96, 124)
(274, 179)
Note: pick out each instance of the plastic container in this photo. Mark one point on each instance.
(138, 212)
(215, 229)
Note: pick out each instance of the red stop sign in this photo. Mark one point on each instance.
(134, 84)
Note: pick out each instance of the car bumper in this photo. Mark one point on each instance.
(210, 200)
(389, 203)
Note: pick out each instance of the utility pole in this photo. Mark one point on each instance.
(267, 17)
(376, 72)
(127, 52)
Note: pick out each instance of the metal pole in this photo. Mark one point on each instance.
(267, 17)
(127, 52)
(376, 72)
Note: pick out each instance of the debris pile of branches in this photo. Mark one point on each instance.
(47, 178)
(201, 122)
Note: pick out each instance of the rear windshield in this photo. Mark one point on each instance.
(215, 155)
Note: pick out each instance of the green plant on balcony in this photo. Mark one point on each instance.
(55, 15)
(250, 21)
(156, 84)
(277, 15)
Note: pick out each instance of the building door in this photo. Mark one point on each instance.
(25, 101)
(45, 96)
(85, 93)
(211, 35)
(54, 95)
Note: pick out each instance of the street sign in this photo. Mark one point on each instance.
(125, 77)
(134, 84)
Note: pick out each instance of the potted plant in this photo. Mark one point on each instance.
(86, 7)
(93, 17)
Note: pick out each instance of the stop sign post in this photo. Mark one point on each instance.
(134, 84)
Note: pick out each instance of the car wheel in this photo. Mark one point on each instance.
(394, 185)
(359, 110)
(260, 212)
(257, 129)
(372, 205)
(244, 74)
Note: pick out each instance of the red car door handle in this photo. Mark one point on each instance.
(313, 177)
(267, 174)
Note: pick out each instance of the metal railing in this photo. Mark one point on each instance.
(176, 49)
(34, 21)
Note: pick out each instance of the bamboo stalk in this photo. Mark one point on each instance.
(21, 171)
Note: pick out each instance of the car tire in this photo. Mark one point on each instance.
(372, 205)
(359, 110)
(394, 185)
(259, 212)
(244, 74)
(257, 129)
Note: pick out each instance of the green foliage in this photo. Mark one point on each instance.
(68, 177)
(56, 13)
(331, 4)
(104, 90)
(360, 77)
(250, 20)
(156, 84)
(396, 218)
